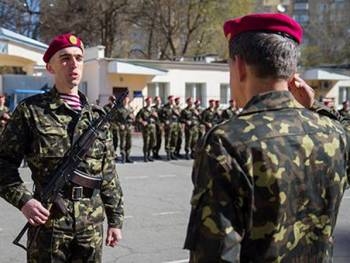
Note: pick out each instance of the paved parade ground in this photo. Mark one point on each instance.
(156, 212)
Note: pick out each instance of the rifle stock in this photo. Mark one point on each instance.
(62, 174)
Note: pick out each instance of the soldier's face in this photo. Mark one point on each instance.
(67, 67)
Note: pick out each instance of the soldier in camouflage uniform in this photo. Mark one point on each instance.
(179, 129)
(159, 127)
(217, 113)
(268, 183)
(4, 113)
(170, 117)
(125, 119)
(114, 125)
(231, 111)
(208, 116)
(147, 117)
(198, 112)
(42, 129)
(191, 122)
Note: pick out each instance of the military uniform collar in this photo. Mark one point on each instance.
(57, 102)
(272, 100)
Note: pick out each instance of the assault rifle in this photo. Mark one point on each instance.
(66, 169)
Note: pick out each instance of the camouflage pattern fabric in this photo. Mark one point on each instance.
(170, 118)
(268, 185)
(42, 129)
(159, 131)
(191, 122)
(114, 127)
(208, 118)
(125, 119)
(4, 120)
(148, 115)
(228, 113)
(179, 131)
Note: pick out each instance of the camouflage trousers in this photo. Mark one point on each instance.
(170, 136)
(74, 238)
(115, 133)
(191, 138)
(159, 135)
(149, 138)
(125, 139)
(179, 138)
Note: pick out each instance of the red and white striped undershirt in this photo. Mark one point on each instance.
(72, 100)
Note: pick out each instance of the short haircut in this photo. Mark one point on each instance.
(269, 54)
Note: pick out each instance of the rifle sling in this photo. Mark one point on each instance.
(85, 180)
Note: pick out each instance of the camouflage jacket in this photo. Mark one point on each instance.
(42, 129)
(208, 116)
(228, 113)
(268, 184)
(148, 115)
(125, 116)
(170, 114)
(189, 117)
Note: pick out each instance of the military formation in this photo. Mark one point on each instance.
(169, 123)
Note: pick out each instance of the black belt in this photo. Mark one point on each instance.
(76, 193)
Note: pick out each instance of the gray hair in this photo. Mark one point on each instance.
(270, 55)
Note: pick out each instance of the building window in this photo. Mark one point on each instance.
(301, 6)
(160, 89)
(196, 91)
(225, 93)
(344, 94)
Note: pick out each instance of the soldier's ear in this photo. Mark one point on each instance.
(49, 68)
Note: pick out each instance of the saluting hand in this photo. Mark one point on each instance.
(35, 212)
(301, 91)
(114, 235)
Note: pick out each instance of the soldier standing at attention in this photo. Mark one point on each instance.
(198, 113)
(42, 129)
(170, 118)
(208, 116)
(231, 111)
(147, 117)
(125, 119)
(268, 183)
(179, 128)
(217, 113)
(190, 120)
(4, 113)
(114, 125)
(159, 127)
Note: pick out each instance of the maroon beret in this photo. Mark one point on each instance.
(170, 97)
(60, 42)
(148, 98)
(211, 101)
(177, 98)
(197, 101)
(276, 23)
(189, 99)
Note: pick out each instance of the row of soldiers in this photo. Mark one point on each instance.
(156, 121)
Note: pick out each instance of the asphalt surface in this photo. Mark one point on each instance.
(156, 213)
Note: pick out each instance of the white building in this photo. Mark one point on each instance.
(106, 76)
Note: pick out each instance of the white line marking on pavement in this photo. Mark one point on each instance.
(126, 217)
(167, 175)
(166, 213)
(178, 261)
(137, 177)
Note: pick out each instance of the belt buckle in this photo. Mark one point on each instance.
(77, 193)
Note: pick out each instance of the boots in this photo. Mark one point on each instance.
(149, 157)
(172, 156)
(168, 156)
(127, 159)
(187, 156)
(122, 157)
(145, 159)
